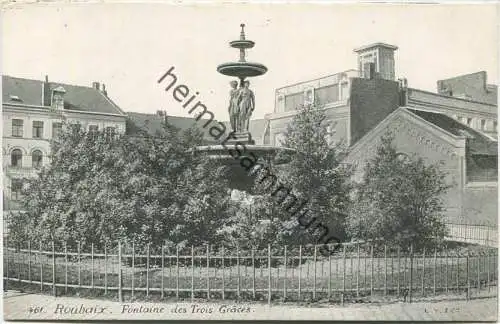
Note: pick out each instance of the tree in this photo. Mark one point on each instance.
(314, 174)
(399, 200)
(102, 187)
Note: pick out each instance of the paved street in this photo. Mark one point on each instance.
(35, 307)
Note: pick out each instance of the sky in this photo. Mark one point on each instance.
(128, 46)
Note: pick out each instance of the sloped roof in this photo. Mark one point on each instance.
(477, 142)
(80, 98)
(152, 123)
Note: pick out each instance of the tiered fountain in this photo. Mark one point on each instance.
(241, 106)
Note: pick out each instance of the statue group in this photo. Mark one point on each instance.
(241, 106)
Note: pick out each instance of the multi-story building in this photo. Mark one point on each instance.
(457, 125)
(33, 113)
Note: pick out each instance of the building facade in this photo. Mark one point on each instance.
(34, 112)
(456, 125)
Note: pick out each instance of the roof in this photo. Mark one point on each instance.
(370, 46)
(152, 123)
(477, 142)
(76, 97)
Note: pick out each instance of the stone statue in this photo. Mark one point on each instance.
(234, 107)
(247, 105)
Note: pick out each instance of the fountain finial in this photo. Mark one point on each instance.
(242, 34)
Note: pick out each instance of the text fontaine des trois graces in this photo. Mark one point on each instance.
(151, 309)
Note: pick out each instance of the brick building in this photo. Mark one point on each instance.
(457, 124)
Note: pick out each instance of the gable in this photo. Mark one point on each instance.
(412, 135)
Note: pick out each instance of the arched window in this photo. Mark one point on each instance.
(36, 159)
(16, 158)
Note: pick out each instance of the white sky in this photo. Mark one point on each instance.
(129, 46)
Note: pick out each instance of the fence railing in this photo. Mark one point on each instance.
(474, 234)
(355, 272)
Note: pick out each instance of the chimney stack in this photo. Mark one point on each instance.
(104, 89)
(46, 93)
(96, 85)
(381, 55)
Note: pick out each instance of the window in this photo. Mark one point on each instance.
(17, 127)
(15, 189)
(93, 128)
(36, 159)
(469, 121)
(483, 124)
(495, 125)
(344, 91)
(16, 158)
(56, 129)
(110, 130)
(37, 129)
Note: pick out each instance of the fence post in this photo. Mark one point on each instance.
(478, 271)
(53, 269)
(133, 269)
(446, 268)
(223, 281)
(269, 268)
(411, 273)
(148, 252)
(6, 256)
(66, 267)
(79, 265)
(238, 288)
(343, 275)
(371, 273)
(458, 271)
(29, 260)
(399, 269)
(329, 275)
(467, 276)
(300, 270)
(488, 268)
(314, 277)
(162, 271)
(286, 276)
(19, 265)
(92, 265)
(192, 272)
(253, 272)
(106, 268)
(385, 272)
(120, 279)
(208, 271)
(357, 272)
(41, 267)
(434, 271)
(423, 272)
(177, 268)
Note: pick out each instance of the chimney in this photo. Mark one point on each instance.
(382, 57)
(403, 92)
(104, 92)
(46, 93)
(96, 85)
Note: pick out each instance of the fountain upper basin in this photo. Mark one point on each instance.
(242, 69)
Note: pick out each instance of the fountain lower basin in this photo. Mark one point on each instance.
(238, 174)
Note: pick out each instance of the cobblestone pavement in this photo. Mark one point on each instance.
(19, 306)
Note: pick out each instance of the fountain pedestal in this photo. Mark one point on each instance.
(241, 106)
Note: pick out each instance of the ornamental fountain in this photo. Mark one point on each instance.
(241, 106)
